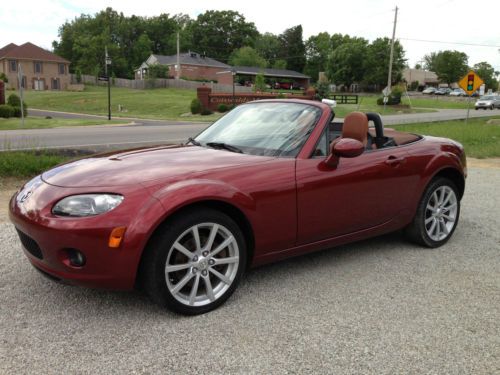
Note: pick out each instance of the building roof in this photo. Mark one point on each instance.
(190, 58)
(282, 73)
(29, 51)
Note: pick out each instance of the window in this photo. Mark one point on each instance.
(62, 69)
(322, 146)
(13, 65)
(22, 83)
(37, 67)
(55, 84)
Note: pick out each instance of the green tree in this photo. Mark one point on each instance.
(268, 46)
(318, 47)
(487, 74)
(260, 83)
(157, 71)
(219, 33)
(279, 64)
(346, 63)
(247, 56)
(293, 49)
(449, 66)
(376, 62)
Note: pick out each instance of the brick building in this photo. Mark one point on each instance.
(42, 70)
(193, 66)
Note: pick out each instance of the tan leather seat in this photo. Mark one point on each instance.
(356, 127)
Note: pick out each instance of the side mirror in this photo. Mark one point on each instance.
(344, 148)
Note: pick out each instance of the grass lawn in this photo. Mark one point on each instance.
(368, 103)
(167, 104)
(34, 122)
(438, 102)
(28, 163)
(480, 139)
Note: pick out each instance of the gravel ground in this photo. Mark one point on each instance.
(381, 306)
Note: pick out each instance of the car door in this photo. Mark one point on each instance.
(362, 192)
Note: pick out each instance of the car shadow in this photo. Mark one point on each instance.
(136, 304)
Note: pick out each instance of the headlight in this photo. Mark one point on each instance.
(86, 204)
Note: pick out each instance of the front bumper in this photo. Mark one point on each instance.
(46, 238)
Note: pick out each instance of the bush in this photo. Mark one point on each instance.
(394, 97)
(206, 112)
(322, 90)
(6, 111)
(4, 78)
(17, 111)
(222, 108)
(196, 106)
(14, 100)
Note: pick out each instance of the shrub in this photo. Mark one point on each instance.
(206, 112)
(322, 90)
(17, 111)
(196, 106)
(393, 100)
(4, 78)
(222, 108)
(6, 111)
(14, 100)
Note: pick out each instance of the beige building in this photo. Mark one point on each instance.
(42, 70)
(423, 77)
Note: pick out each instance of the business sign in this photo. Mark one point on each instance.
(470, 82)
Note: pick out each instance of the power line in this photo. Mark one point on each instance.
(457, 43)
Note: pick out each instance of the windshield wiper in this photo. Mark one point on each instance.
(193, 141)
(225, 146)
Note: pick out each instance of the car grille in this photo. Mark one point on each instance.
(30, 244)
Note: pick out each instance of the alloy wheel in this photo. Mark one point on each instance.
(202, 264)
(441, 213)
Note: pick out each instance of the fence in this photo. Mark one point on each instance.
(344, 98)
(142, 84)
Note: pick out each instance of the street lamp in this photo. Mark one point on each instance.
(107, 61)
(233, 73)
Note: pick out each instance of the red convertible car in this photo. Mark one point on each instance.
(270, 180)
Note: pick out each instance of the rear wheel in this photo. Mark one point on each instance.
(437, 214)
(194, 263)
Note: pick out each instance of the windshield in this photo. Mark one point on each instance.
(488, 97)
(272, 129)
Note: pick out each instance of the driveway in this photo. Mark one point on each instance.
(381, 306)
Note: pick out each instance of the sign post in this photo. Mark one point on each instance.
(107, 61)
(386, 91)
(470, 83)
(21, 87)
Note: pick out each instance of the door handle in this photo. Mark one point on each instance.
(394, 161)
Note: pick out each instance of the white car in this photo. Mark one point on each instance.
(429, 90)
(458, 92)
(488, 102)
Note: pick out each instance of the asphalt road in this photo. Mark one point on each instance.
(152, 132)
(381, 306)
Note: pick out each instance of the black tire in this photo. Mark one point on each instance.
(417, 231)
(152, 271)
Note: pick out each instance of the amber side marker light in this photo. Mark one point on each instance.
(116, 237)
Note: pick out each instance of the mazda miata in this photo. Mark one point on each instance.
(270, 180)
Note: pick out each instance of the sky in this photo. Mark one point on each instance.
(423, 26)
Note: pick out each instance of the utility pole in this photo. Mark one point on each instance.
(389, 77)
(178, 73)
(107, 61)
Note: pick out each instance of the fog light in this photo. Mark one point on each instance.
(76, 258)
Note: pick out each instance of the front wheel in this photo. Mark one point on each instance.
(437, 214)
(194, 263)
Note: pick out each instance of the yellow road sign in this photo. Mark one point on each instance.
(470, 82)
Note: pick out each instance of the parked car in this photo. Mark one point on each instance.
(270, 180)
(443, 91)
(458, 92)
(429, 90)
(487, 102)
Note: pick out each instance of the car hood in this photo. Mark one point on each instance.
(141, 165)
